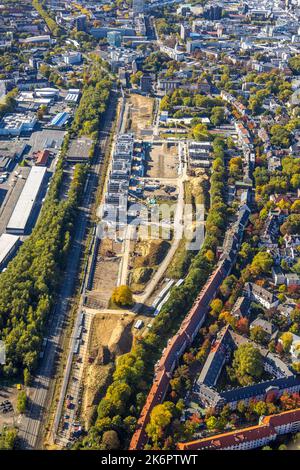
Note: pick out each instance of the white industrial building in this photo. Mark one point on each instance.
(72, 58)
(8, 245)
(24, 207)
(37, 39)
(47, 92)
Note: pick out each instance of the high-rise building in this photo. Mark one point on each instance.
(185, 31)
(138, 6)
(114, 38)
(80, 23)
(146, 83)
(213, 12)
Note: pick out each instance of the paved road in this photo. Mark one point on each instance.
(30, 426)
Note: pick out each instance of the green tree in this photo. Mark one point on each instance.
(258, 335)
(247, 364)
(261, 264)
(21, 401)
(217, 115)
(211, 423)
(280, 136)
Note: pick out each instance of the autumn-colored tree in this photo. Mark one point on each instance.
(288, 402)
(195, 418)
(243, 325)
(286, 339)
(261, 264)
(229, 319)
(209, 255)
(279, 348)
(236, 166)
(203, 351)
(211, 423)
(160, 418)
(188, 358)
(216, 307)
(296, 367)
(261, 408)
(271, 397)
(295, 207)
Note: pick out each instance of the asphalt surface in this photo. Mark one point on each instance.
(30, 425)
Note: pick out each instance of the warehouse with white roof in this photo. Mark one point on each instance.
(8, 245)
(28, 197)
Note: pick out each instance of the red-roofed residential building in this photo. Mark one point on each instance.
(249, 438)
(41, 157)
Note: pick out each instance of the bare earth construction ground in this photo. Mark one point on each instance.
(110, 337)
(140, 115)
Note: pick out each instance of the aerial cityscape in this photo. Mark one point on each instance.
(149, 225)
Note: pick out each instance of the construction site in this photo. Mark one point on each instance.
(151, 176)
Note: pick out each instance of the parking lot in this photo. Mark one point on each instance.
(8, 399)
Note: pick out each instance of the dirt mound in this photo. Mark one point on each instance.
(101, 355)
(141, 275)
(197, 185)
(122, 345)
(153, 252)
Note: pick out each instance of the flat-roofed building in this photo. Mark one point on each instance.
(80, 150)
(36, 39)
(8, 245)
(17, 123)
(23, 210)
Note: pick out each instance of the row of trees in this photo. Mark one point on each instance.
(27, 286)
(184, 97)
(93, 102)
(52, 25)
